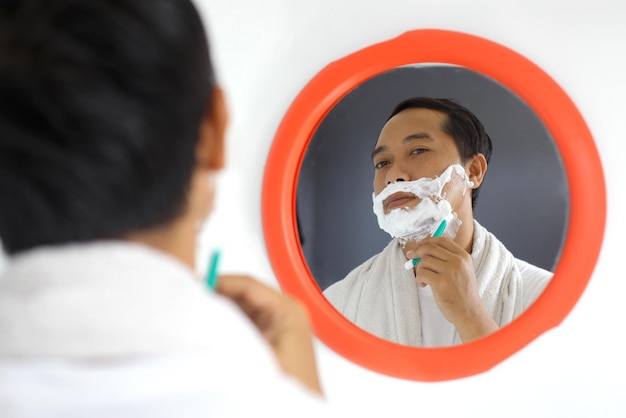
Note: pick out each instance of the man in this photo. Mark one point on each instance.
(457, 287)
(112, 130)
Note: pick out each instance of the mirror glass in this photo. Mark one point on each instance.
(523, 200)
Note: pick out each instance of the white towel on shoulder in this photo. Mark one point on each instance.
(380, 296)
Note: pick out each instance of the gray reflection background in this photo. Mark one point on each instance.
(523, 199)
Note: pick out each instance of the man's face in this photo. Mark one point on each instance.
(413, 145)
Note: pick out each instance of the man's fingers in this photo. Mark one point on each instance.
(255, 299)
(245, 290)
(432, 251)
(234, 286)
(441, 242)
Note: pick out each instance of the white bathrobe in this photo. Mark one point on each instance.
(383, 298)
(116, 329)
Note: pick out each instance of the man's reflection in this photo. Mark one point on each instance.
(443, 279)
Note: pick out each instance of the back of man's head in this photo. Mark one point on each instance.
(100, 107)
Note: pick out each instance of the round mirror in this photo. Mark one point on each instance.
(576, 150)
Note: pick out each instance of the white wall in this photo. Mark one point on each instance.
(267, 50)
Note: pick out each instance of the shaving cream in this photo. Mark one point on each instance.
(415, 223)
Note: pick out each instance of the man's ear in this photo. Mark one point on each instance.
(476, 167)
(211, 152)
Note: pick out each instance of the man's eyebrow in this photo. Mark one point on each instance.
(412, 137)
(378, 150)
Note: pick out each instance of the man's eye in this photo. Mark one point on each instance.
(380, 164)
(419, 151)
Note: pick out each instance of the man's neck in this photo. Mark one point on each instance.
(177, 240)
(465, 235)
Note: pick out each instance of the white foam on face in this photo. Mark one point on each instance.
(414, 223)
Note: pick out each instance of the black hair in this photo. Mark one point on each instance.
(100, 107)
(461, 124)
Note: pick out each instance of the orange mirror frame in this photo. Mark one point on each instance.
(573, 141)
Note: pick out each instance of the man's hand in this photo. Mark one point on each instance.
(448, 269)
(282, 321)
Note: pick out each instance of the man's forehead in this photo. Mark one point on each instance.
(416, 117)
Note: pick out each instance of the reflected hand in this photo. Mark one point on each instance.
(448, 269)
(283, 322)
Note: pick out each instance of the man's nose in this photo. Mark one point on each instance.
(397, 173)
